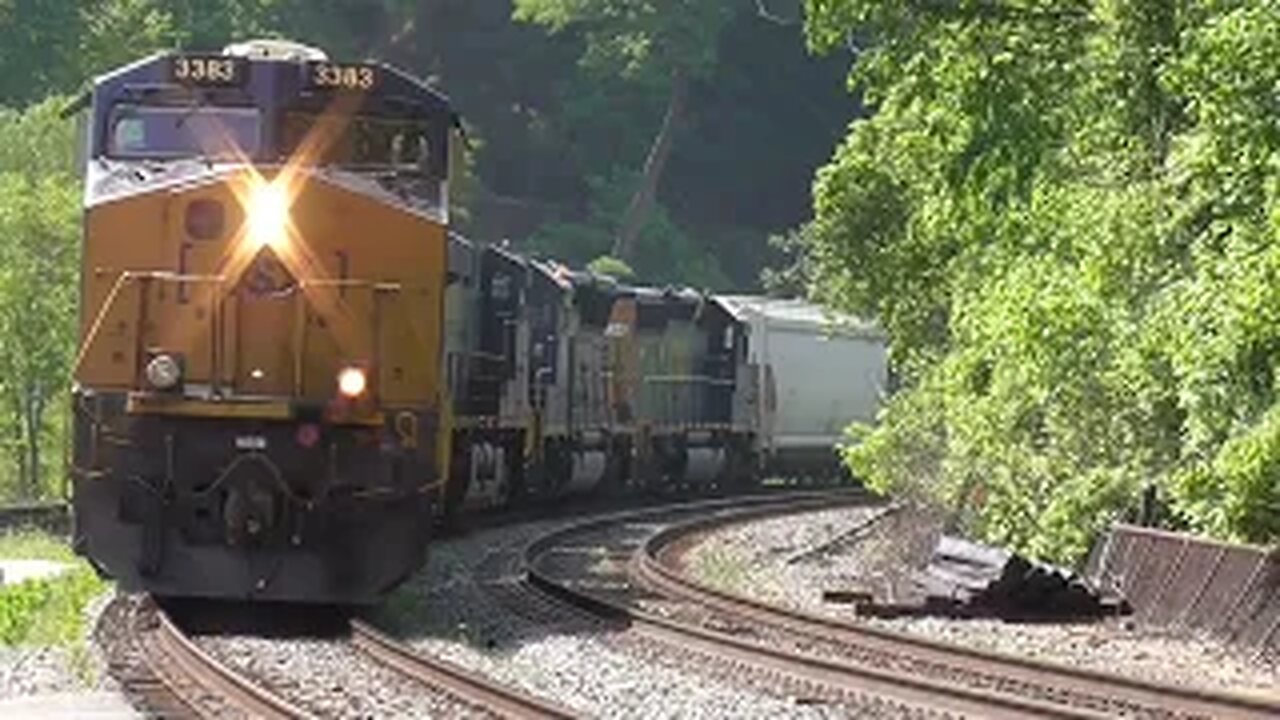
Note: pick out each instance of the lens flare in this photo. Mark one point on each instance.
(268, 215)
(352, 382)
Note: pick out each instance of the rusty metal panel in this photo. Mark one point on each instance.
(1198, 569)
(1149, 572)
(1126, 555)
(1111, 563)
(1231, 592)
(1252, 599)
(1226, 588)
(1257, 626)
(1173, 553)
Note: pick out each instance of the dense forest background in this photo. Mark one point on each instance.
(1065, 212)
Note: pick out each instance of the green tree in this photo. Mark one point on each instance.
(116, 32)
(39, 40)
(669, 44)
(1063, 212)
(38, 221)
(670, 257)
(39, 246)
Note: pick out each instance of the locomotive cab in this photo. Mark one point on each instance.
(257, 403)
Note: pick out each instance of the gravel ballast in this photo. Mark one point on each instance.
(330, 679)
(771, 560)
(457, 609)
(38, 671)
(31, 670)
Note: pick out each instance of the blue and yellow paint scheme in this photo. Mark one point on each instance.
(258, 406)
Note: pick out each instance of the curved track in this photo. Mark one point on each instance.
(468, 686)
(649, 593)
(1069, 686)
(188, 680)
(175, 677)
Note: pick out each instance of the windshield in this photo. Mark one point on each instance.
(139, 131)
(361, 141)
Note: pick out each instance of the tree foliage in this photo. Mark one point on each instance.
(1066, 215)
(638, 38)
(670, 44)
(39, 245)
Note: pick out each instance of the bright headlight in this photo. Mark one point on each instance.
(268, 215)
(164, 372)
(352, 382)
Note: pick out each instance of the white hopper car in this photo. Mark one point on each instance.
(816, 372)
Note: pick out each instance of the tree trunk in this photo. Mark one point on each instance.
(16, 441)
(643, 200)
(31, 419)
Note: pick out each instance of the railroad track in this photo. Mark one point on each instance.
(465, 685)
(171, 672)
(619, 568)
(170, 675)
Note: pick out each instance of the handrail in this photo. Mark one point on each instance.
(129, 276)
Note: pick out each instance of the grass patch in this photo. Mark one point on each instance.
(47, 611)
(35, 545)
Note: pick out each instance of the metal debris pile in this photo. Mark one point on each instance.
(968, 579)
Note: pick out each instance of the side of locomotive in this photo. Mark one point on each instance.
(259, 411)
(570, 383)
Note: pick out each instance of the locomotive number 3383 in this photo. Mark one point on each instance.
(204, 70)
(343, 77)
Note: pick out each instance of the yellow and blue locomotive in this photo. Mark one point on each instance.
(259, 408)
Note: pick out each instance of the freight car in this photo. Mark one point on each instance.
(817, 373)
(290, 369)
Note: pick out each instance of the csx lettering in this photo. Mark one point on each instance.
(345, 77)
(204, 70)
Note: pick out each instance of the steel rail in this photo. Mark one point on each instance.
(180, 664)
(843, 677)
(1105, 692)
(470, 687)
